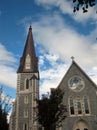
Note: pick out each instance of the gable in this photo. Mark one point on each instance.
(74, 77)
(80, 95)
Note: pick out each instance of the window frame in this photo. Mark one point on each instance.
(25, 113)
(79, 110)
(26, 99)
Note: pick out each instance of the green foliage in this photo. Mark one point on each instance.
(4, 109)
(84, 4)
(51, 111)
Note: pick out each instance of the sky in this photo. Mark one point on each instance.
(58, 35)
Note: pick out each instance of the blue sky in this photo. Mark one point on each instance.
(58, 34)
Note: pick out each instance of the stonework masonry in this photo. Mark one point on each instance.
(80, 95)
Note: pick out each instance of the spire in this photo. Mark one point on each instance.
(29, 46)
(28, 61)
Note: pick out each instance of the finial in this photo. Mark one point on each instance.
(30, 28)
(72, 58)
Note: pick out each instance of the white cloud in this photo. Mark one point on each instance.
(51, 77)
(46, 2)
(5, 56)
(52, 58)
(66, 7)
(63, 5)
(7, 71)
(59, 38)
(83, 18)
(41, 60)
(8, 76)
(62, 42)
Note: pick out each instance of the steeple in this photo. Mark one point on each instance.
(28, 61)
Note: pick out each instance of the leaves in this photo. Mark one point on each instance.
(5, 106)
(84, 4)
(51, 111)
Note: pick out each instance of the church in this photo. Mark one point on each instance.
(80, 95)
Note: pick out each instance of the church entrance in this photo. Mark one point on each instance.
(81, 125)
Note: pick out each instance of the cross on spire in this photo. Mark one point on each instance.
(72, 58)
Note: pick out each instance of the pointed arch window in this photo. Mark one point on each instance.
(86, 105)
(28, 62)
(79, 105)
(27, 84)
(26, 99)
(71, 106)
(25, 127)
(25, 113)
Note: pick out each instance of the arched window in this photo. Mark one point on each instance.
(34, 85)
(28, 62)
(25, 127)
(27, 84)
(71, 106)
(86, 105)
(25, 113)
(26, 99)
(79, 105)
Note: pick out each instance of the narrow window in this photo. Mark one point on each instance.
(86, 105)
(26, 113)
(28, 62)
(25, 127)
(33, 85)
(27, 84)
(79, 106)
(71, 106)
(26, 100)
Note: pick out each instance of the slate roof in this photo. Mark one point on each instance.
(29, 49)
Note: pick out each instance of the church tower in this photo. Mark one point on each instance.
(24, 111)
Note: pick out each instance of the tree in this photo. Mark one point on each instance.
(51, 110)
(84, 4)
(5, 106)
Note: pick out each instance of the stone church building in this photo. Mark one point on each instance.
(80, 95)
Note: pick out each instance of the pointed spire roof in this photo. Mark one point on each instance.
(29, 46)
(29, 49)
